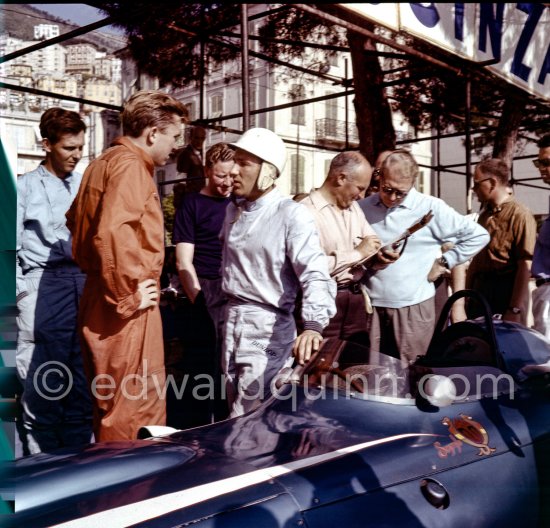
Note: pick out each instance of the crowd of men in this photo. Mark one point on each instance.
(267, 276)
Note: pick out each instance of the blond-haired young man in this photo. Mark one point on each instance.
(118, 239)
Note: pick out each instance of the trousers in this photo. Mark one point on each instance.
(124, 362)
(257, 344)
(403, 332)
(57, 409)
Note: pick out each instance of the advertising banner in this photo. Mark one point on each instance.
(515, 38)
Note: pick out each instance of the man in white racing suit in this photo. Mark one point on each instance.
(271, 251)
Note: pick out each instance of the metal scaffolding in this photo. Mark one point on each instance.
(400, 51)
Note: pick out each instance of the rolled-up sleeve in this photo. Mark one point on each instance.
(468, 236)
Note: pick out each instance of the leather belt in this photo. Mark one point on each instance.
(353, 287)
(540, 282)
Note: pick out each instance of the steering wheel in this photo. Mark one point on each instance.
(465, 341)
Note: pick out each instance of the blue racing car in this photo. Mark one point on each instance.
(460, 438)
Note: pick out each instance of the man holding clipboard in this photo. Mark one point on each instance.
(400, 280)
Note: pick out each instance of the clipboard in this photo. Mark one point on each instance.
(399, 243)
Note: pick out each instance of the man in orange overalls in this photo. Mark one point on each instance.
(118, 240)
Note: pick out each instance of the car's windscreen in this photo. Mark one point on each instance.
(356, 371)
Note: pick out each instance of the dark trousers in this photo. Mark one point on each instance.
(193, 397)
(351, 321)
(497, 288)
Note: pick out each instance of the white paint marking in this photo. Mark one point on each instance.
(148, 509)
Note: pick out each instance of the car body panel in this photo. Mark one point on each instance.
(319, 456)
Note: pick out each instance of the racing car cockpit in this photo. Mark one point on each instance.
(466, 343)
(465, 361)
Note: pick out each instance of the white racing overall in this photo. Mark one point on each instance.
(271, 251)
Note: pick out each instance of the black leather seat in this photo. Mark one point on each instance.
(461, 344)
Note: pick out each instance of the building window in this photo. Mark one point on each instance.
(297, 166)
(331, 115)
(297, 113)
(216, 105)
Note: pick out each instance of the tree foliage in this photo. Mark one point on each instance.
(284, 30)
(434, 98)
(373, 114)
(429, 97)
(438, 100)
(164, 39)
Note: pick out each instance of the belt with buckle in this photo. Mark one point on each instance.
(353, 287)
(540, 282)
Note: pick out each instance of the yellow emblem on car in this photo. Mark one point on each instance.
(470, 432)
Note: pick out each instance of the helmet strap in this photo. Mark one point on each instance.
(267, 176)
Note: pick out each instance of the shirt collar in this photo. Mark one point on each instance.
(318, 200)
(45, 173)
(262, 201)
(148, 160)
(500, 207)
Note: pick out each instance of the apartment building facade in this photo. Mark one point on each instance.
(79, 71)
(313, 131)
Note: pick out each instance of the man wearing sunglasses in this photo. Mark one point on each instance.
(501, 271)
(374, 186)
(541, 259)
(401, 285)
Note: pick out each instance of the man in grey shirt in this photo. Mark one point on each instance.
(56, 401)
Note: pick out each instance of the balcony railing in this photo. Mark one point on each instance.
(333, 132)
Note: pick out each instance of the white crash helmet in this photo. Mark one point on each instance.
(265, 144)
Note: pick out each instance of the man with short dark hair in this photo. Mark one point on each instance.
(118, 239)
(56, 404)
(501, 270)
(541, 258)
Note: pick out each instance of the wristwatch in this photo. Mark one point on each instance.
(442, 261)
(514, 309)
